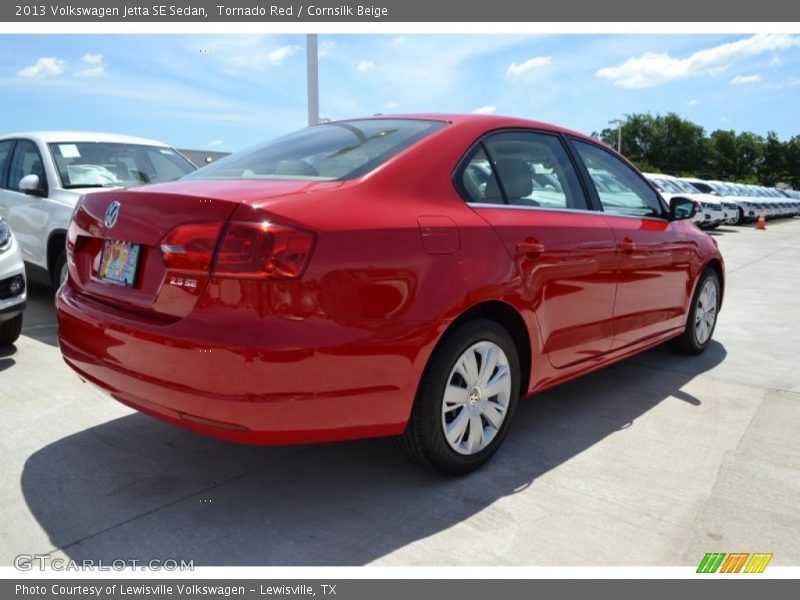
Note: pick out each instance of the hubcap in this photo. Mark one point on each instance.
(476, 398)
(705, 313)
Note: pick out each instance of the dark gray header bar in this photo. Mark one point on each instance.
(465, 11)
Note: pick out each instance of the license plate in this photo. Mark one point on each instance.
(119, 262)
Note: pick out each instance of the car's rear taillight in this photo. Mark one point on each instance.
(190, 248)
(263, 251)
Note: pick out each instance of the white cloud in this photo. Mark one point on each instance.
(745, 79)
(652, 69)
(325, 48)
(215, 143)
(537, 62)
(44, 67)
(92, 59)
(485, 110)
(392, 105)
(276, 57)
(401, 39)
(691, 103)
(95, 66)
(365, 65)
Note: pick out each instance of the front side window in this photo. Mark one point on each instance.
(107, 164)
(331, 151)
(26, 161)
(620, 188)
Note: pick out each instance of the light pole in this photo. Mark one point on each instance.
(619, 123)
(312, 71)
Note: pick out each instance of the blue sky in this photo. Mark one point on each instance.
(227, 92)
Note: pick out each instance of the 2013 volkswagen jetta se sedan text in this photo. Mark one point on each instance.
(391, 276)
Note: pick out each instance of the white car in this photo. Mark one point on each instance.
(746, 208)
(710, 211)
(12, 287)
(43, 174)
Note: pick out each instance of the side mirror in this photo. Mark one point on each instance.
(682, 208)
(31, 185)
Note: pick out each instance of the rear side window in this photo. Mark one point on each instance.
(340, 150)
(620, 188)
(5, 155)
(522, 168)
(26, 161)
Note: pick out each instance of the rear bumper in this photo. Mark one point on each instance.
(308, 380)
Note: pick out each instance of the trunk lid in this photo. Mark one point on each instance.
(145, 216)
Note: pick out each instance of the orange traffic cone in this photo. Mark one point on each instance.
(762, 223)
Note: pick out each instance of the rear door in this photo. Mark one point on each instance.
(654, 255)
(525, 185)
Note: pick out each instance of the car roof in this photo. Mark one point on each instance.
(47, 137)
(490, 121)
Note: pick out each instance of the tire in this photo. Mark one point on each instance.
(696, 337)
(58, 275)
(10, 330)
(478, 342)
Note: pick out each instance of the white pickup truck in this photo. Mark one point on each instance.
(43, 174)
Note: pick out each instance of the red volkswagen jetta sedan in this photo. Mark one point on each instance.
(392, 276)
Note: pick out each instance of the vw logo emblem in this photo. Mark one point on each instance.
(112, 214)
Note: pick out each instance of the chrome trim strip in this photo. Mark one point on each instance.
(564, 210)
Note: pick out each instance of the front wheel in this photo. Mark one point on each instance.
(10, 330)
(465, 400)
(702, 317)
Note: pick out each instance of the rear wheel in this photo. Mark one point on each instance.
(466, 399)
(10, 330)
(702, 316)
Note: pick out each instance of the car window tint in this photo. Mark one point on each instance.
(620, 188)
(26, 161)
(478, 181)
(113, 164)
(330, 151)
(5, 152)
(534, 170)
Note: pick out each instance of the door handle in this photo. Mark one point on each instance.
(627, 245)
(531, 248)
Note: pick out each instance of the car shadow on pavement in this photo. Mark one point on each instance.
(39, 319)
(5, 357)
(135, 488)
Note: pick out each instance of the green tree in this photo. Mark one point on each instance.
(773, 168)
(670, 144)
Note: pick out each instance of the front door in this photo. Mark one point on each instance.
(654, 256)
(524, 184)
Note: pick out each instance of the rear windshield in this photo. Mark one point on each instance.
(107, 164)
(340, 150)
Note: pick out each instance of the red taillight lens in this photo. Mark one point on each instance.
(263, 250)
(72, 237)
(190, 248)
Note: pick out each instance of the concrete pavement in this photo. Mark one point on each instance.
(654, 461)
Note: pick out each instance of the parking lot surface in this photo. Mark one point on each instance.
(654, 461)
